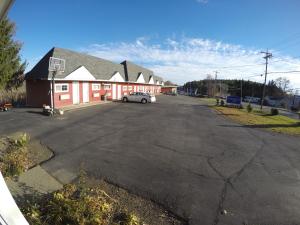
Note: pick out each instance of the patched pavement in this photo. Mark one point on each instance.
(177, 152)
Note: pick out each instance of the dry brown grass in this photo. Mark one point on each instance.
(16, 96)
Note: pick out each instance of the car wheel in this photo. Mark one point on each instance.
(125, 99)
(144, 101)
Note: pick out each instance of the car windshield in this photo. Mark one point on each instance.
(134, 112)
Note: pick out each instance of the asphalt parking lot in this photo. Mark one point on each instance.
(177, 152)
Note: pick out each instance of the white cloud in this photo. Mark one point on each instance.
(185, 59)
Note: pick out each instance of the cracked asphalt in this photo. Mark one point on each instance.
(177, 152)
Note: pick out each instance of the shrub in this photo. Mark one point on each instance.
(274, 111)
(128, 219)
(15, 160)
(222, 103)
(20, 141)
(249, 108)
(217, 101)
(76, 204)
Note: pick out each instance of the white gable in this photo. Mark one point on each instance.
(117, 77)
(151, 81)
(162, 83)
(80, 74)
(140, 79)
(157, 82)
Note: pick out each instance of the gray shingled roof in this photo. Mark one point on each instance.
(101, 69)
(133, 71)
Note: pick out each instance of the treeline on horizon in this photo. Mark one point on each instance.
(213, 87)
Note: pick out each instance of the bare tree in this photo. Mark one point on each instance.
(283, 83)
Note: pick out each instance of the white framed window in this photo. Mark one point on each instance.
(107, 86)
(129, 88)
(124, 88)
(61, 88)
(96, 87)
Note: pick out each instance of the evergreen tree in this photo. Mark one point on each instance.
(11, 68)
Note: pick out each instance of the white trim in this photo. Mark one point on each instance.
(96, 89)
(151, 81)
(117, 78)
(80, 74)
(96, 95)
(75, 92)
(140, 79)
(114, 91)
(64, 97)
(61, 84)
(105, 85)
(119, 89)
(85, 92)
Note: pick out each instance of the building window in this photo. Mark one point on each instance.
(129, 88)
(61, 88)
(124, 88)
(107, 87)
(96, 87)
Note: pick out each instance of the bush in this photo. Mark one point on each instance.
(15, 160)
(249, 108)
(274, 111)
(79, 205)
(222, 103)
(217, 101)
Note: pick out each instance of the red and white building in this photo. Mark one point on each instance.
(86, 79)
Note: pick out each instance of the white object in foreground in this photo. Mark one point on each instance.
(9, 211)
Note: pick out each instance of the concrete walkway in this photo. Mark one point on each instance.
(34, 181)
(83, 105)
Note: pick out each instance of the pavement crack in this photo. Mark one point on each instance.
(249, 162)
(221, 202)
(208, 159)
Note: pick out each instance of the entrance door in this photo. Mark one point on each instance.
(119, 92)
(75, 88)
(114, 91)
(85, 92)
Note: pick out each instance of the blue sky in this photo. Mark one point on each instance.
(179, 39)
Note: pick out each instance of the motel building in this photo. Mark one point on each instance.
(86, 79)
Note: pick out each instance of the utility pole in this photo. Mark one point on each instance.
(241, 90)
(215, 87)
(266, 57)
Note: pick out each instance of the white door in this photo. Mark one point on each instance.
(85, 92)
(119, 92)
(75, 88)
(114, 91)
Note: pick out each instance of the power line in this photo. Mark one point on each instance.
(293, 71)
(228, 67)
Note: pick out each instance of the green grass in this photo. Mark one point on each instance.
(258, 119)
